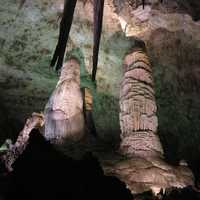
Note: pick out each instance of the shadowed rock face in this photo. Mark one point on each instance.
(138, 118)
(42, 172)
(64, 110)
(15, 150)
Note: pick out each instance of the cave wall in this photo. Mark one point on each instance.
(177, 82)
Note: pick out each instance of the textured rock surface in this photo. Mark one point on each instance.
(26, 53)
(64, 111)
(138, 120)
(171, 31)
(145, 168)
(36, 121)
(144, 174)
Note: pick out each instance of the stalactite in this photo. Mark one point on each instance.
(98, 18)
(21, 3)
(65, 26)
(143, 3)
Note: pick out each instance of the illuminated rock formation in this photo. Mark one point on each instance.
(67, 116)
(138, 118)
(64, 111)
(15, 150)
(142, 167)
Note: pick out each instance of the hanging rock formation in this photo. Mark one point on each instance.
(142, 166)
(64, 111)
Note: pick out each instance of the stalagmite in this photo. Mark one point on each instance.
(15, 150)
(143, 166)
(67, 116)
(138, 120)
(64, 117)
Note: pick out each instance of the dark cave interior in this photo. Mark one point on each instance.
(42, 172)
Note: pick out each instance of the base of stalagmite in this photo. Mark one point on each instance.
(144, 174)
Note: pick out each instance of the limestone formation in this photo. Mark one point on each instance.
(15, 150)
(65, 116)
(144, 174)
(64, 111)
(138, 120)
(143, 167)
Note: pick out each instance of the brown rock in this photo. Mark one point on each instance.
(64, 111)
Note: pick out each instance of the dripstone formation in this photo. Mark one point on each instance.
(64, 110)
(138, 120)
(142, 166)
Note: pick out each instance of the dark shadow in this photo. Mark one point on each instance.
(8, 125)
(42, 172)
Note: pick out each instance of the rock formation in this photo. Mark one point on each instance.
(15, 150)
(64, 111)
(66, 119)
(138, 118)
(143, 167)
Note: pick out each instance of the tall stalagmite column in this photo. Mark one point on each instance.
(143, 167)
(138, 118)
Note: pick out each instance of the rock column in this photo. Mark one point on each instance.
(138, 120)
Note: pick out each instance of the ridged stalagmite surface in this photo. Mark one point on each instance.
(138, 120)
(142, 167)
(64, 110)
